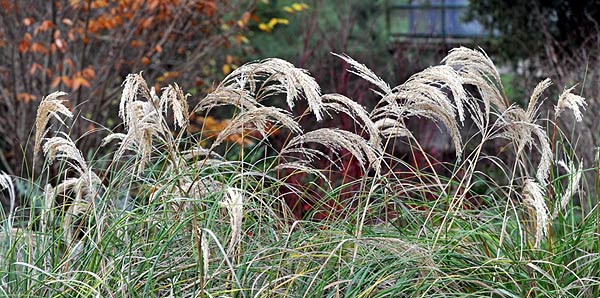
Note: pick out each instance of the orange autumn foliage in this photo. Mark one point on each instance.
(86, 47)
(210, 128)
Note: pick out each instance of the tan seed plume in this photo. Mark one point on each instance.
(568, 100)
(51, 106)
(533, 196)
(276, 76)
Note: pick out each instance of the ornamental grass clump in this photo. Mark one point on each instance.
(165, 209)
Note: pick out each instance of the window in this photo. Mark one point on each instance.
(431, 18)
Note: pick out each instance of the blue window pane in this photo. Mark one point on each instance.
(435, 18)
(425, 21)
(456, 25)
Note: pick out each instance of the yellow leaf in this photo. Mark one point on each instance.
(289, 9)
(283, 21)
(226, 69)
(272, 23)
(241, 39)
(264, 27)
(297, 7)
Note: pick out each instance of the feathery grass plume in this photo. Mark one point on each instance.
(50, 106)
(257, 119)
(341, 103)
(174, 95)
(364, 72)
(533, 196)
(574, 178)
(336, 139)
(521, 130)
(440, 79)
(144, 123)
(476, 68)
(545, 150)
(392, 128)
(7, 183)
(111, 137)
(62, 147)
(571, 101)
(234, 203)
(86, 187)
(205, 252)
(199, 151)
(155, 97)
(275, 76)
(533, 106)
(133, 85)
(425, 95)
(49, 196)
(301, 167)
(143, 119)
(227, 95)
(531, 115)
